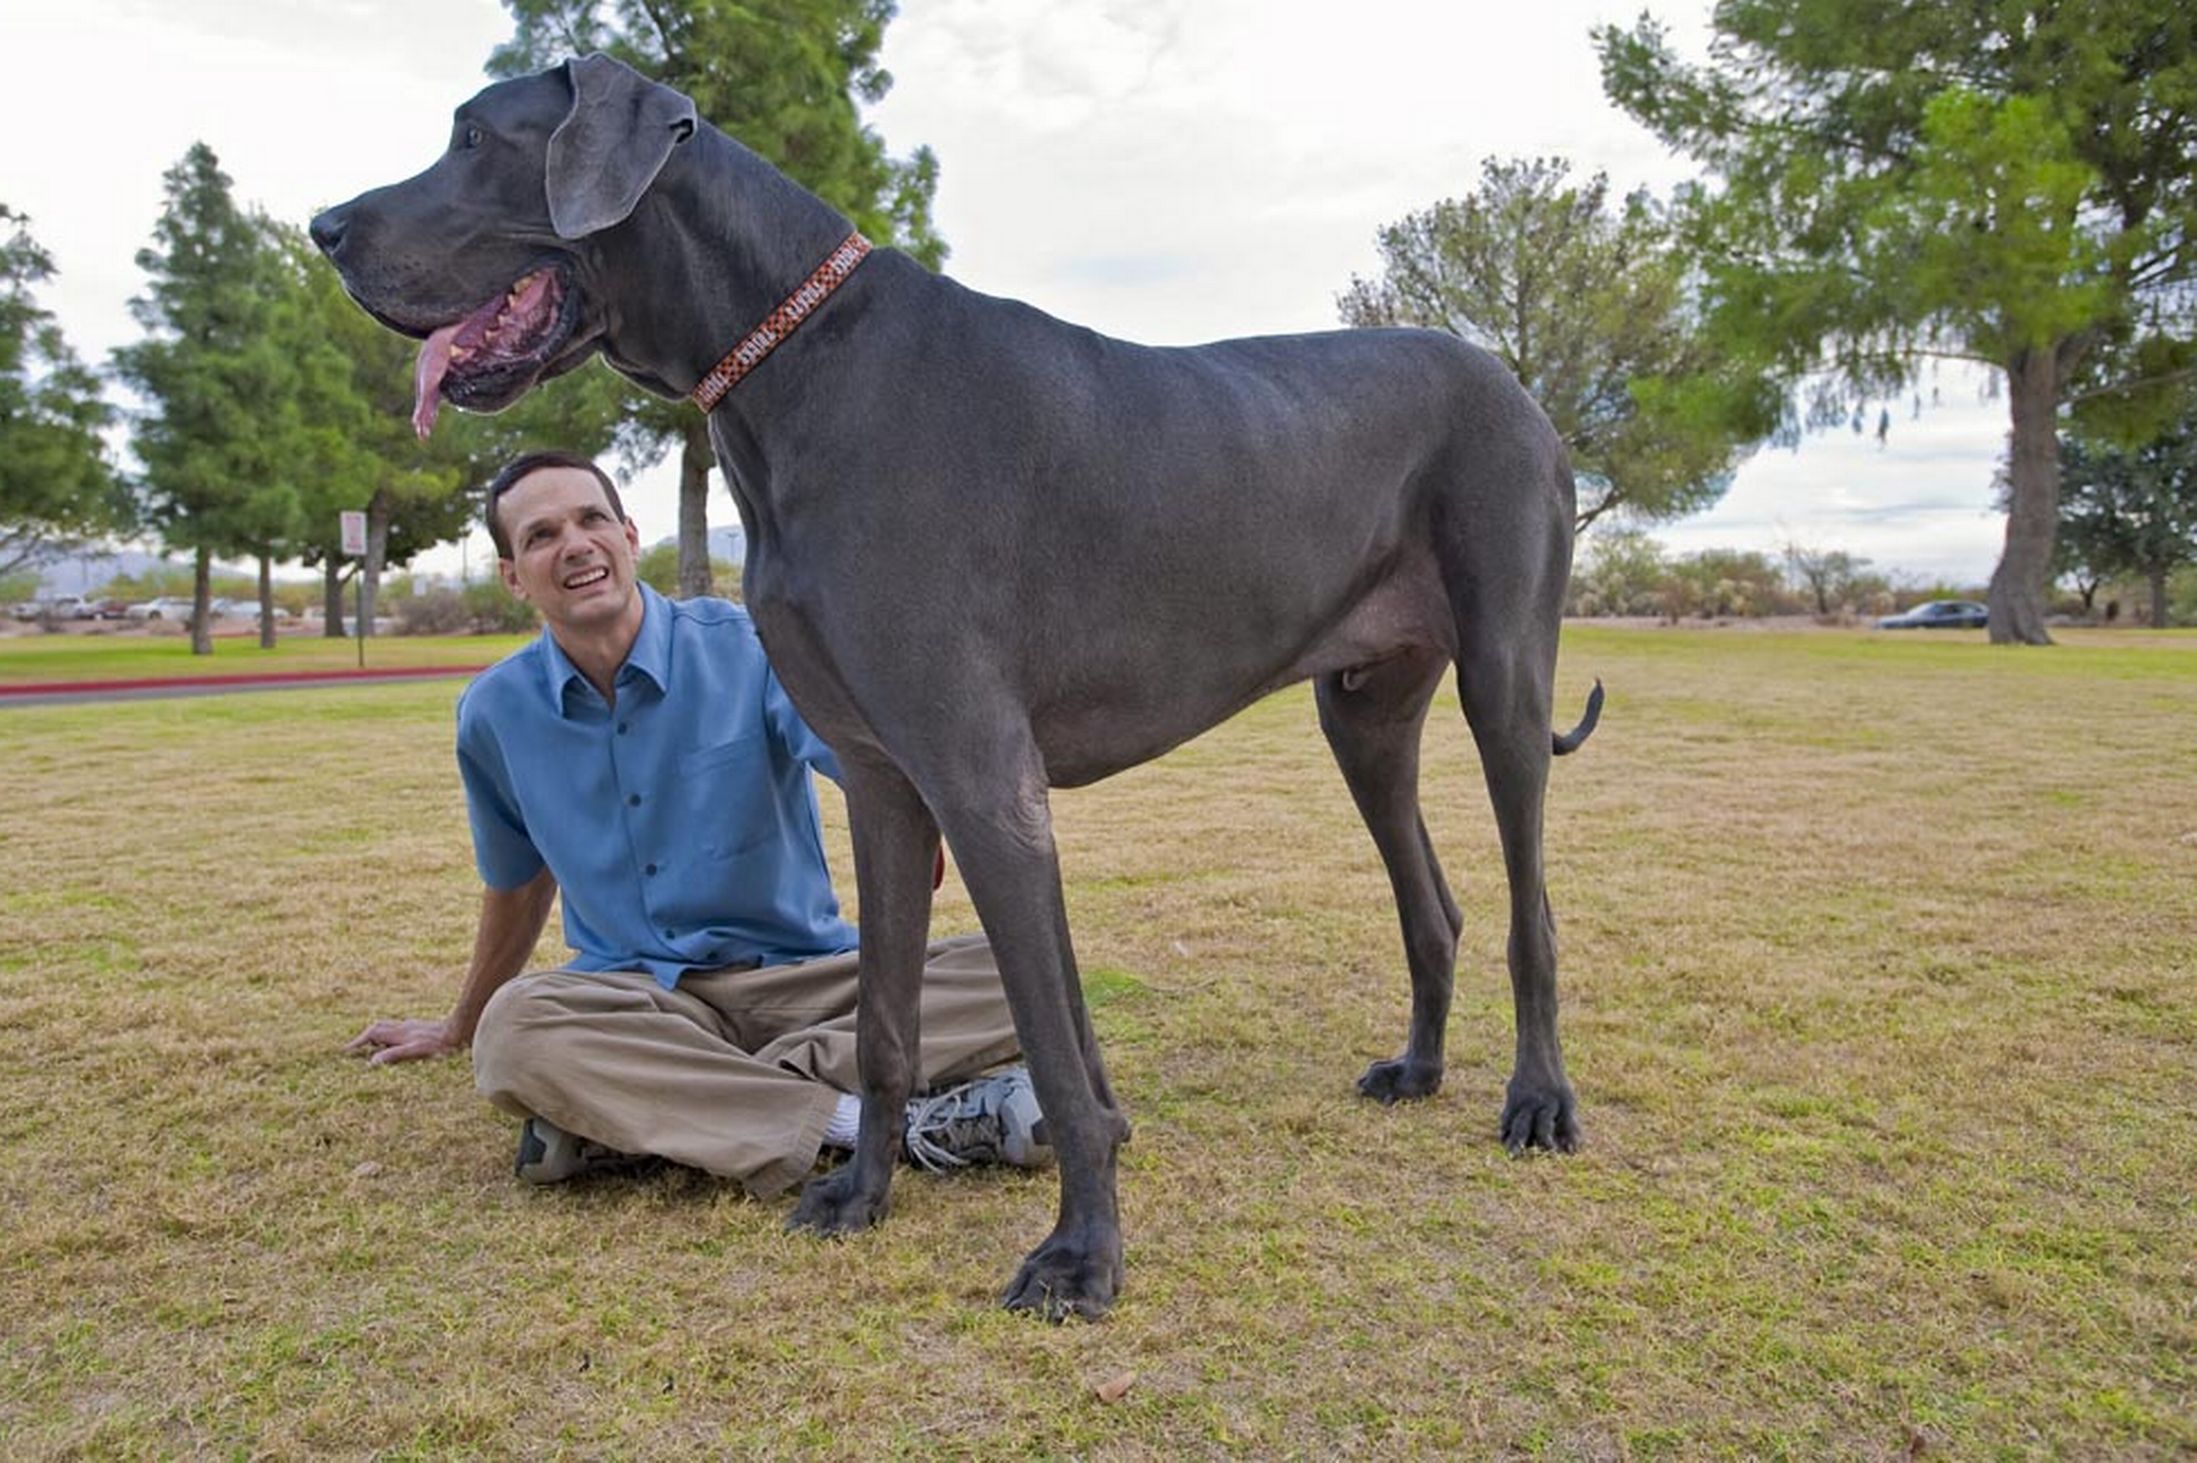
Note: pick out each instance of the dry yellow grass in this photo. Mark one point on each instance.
(1877, 970)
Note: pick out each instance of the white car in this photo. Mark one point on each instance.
(167, 607)
(244, 609)
(69, 607)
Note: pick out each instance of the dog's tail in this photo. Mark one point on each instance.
(1570, 741)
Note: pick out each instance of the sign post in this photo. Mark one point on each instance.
(353, 524)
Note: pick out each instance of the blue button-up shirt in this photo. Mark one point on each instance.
(681, 825)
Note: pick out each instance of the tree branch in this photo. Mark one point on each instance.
(2118, 388)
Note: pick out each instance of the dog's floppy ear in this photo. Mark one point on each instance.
(611, 145)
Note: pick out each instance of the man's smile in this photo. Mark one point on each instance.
(587, 577)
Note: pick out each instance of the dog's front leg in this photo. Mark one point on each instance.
(1000, 828)
(895, 842)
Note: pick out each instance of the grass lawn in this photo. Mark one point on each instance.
(117, 657)
(1880, 982)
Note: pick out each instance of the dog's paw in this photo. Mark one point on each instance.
(1400, 1080)
(1068, 1276)
(1540, 1115)
(836, 1205)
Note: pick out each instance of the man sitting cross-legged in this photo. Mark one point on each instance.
(642, 758)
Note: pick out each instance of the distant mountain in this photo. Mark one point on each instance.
(88, 573)
(727, 543)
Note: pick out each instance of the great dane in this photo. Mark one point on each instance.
(991, 553)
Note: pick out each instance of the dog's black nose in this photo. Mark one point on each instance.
(327, 230)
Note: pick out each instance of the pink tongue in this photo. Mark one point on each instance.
(434, 364)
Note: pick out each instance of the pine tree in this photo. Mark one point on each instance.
(1592, 307)
(219, 432)
(57, 487)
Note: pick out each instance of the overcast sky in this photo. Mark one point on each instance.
(1165, 170)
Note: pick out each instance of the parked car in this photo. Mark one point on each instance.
(67, 607)
(244, 609)
(167, 607)
(110, 609)
(1940, 614)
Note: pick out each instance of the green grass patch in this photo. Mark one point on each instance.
(131, 656)
(1880, 998)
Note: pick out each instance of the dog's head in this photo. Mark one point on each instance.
(483, 256)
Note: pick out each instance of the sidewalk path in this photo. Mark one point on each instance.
(50, 693)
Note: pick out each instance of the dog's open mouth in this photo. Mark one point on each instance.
(514, 329)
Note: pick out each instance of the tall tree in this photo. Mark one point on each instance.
(784, 77)
(222, 411)
(2004, 182)
(1591, 307)
(2133, 510)
(57, 487)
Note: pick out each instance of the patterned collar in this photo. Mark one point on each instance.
(780, 323)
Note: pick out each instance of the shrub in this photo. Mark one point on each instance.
(658, 568)
(478, 609)
(1721, 582)
(494, 612)
(437, 612)
(1622, 574)
(2181, 598)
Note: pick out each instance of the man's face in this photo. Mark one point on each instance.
(570, 556)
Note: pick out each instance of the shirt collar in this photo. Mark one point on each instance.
(651, 652)
(650, 657)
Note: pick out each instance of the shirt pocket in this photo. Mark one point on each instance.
(729, 792)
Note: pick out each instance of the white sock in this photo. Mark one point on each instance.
(846, 1121)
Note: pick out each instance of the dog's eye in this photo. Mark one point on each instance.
(472, 137)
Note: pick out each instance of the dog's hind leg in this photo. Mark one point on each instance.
(998, 822)
(1372, 719)
(895, 841)
(1505, 677)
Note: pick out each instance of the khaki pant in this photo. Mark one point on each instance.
(733, 1071)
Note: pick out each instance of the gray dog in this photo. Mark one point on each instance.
(991, 554)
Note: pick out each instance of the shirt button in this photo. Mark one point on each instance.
(633, 800)
(650, 869)
(621, 728)
(671, 934)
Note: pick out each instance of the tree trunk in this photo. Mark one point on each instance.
(2017, 593)
(331, 598)
(202, 602)
(266, 603)
(2158, 596)
(378, 512)
(695, 458)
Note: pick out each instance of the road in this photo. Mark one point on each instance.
(63, 693)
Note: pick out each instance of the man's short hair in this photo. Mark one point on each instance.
(521, 468)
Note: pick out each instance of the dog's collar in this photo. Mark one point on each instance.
(780, 323)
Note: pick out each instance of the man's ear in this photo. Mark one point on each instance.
(510, 577)
(611, 145)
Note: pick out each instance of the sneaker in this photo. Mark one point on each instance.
(550, 1155)
(994, 1119)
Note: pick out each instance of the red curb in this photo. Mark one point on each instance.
(241, 678)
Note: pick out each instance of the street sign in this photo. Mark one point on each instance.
(354, 531)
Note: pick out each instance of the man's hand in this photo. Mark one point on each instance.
(404, 1041)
